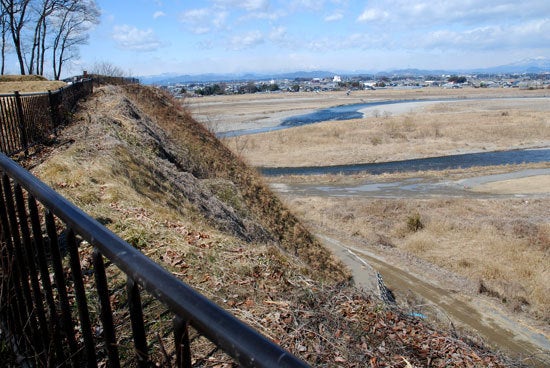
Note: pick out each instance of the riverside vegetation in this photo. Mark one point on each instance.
(487, 248)
(144, 167)
(502, 243)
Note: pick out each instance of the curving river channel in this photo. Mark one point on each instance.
(421, 164)
(335, 113)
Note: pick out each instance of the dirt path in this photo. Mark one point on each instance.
(473, 313)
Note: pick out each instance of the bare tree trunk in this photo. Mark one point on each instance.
(74, 21)
(43, 48)
(16, 15)
(3, 50)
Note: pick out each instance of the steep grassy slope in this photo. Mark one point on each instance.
(146, 169)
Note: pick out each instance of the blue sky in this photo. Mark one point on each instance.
(148, 37)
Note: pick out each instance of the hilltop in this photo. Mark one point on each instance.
(139, 163)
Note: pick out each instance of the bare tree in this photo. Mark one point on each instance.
(107, 69)
(42, 10)
(16, 16)
(72, 22)
(4, 26)
(38, 26)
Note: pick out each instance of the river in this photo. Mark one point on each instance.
(498, 328)
(421, 164)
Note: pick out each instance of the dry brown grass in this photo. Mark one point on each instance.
(22, 78)
(207, 159)
(38, 84)
(505, 244)
(443, 129)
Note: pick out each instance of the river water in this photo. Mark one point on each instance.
(422, 164)
(335, 113)
(340, 113)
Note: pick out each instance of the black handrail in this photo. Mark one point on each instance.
(248, 347)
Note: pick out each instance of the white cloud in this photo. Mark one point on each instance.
(254, 5)
(248, 5)
(308, 4)
(247, 40)
(272, 16)
(219, 19)
(530, 34)
(196, 19)
(334, 17)
(159, 14)
(131, 38)
(201, 30)
(373, 15)
(406, 12)
(280, 37)
(355, 41)
(278, 34)
(205, 20)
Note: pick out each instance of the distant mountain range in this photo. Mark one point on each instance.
(171, 78)
(530, 65)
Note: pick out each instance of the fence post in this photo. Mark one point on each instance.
(21, 123)
(53, 112)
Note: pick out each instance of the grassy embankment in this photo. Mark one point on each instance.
(147, 170)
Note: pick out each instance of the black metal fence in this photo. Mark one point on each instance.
(100, 80)
(55, 310)
(30, 118)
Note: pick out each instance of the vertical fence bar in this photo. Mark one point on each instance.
(181, 340)
(33, 273)
(106, 314)
(54, 116)
(82, 304)
(4, 123)
(138, 329)
(9, 123)
(66, 319)
(46, 283)
(27, 309)
(15, 298)
(14, 126)
(21, 123)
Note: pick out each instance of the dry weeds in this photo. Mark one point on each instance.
(503, 244)
(110, 169)
(443, 129)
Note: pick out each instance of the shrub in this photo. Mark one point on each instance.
(414, 223)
